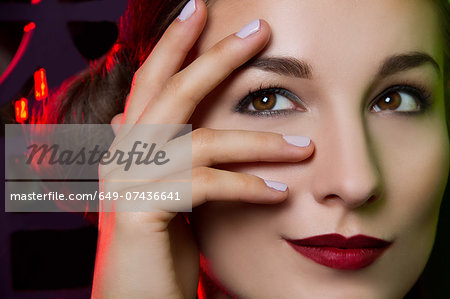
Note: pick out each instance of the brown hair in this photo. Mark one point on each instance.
(98, 93)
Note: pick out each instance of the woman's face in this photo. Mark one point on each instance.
(376, 170)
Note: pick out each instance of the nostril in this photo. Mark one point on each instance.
(372, 199)
(331, 197)
(351, 202)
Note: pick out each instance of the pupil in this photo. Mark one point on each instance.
(391, 101)
(265, 102)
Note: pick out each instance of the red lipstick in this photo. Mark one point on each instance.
(338, 252)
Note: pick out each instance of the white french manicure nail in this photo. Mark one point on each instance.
(187, 11)
(301, 141)
(249, 29)
(276, 185)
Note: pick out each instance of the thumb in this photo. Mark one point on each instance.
(116, 123)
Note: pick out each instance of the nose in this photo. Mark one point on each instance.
(345, 166)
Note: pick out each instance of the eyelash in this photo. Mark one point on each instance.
(417, 91)
(264, 90)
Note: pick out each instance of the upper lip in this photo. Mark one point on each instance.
(339, 241)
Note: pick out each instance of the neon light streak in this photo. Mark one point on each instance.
(30, 26)
(40, 84)
(21, 108)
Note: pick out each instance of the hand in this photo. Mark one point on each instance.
(153, 254)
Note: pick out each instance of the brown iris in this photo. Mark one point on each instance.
(265, 102)
(390, 102)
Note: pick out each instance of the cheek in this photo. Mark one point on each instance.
(412, 154)
(413, 157)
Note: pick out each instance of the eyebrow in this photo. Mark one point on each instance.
(293, 67)
(402, 62)
(286, 65)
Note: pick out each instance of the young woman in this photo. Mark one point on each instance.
(320, 149)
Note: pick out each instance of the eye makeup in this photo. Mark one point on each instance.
(265, 91)
(418, 92)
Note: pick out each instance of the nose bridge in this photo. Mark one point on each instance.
(346, 166)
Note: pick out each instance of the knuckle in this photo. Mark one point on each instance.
(246, 182)
(108, 182)
(270, 137)
(265, 139)
(138, 76)
(175, 88)
(220, 49)
(203, 137)
(203, 175)
(144, 77)
(117, 119)
(105, 171)
(227, 56)
(267, 142)
(174, 85)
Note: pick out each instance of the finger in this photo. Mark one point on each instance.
(166, 58)
(210, 147)
(210, 184)
(183, 91)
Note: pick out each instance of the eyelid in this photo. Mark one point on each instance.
(241, 106)
(418, 91)
(414, 89)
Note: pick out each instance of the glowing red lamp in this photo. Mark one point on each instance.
(30, 26)
(21, 107)
(40, 84)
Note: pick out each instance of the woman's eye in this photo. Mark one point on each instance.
(266, 102)
(407, 100)
(271, 101)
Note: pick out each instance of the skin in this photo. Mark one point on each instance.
(358, 153)
(380, 174)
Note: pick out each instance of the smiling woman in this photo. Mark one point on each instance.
(320, 149)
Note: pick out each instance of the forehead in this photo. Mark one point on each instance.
(329, 32)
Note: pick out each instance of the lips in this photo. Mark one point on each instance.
(338, 252)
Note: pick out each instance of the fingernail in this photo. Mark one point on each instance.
(301, 141)
(249, 29)
(276, 185)
(187, 11)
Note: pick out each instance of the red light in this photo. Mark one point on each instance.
(40, 84)
(21, 107)
(35, 2)
(30, 26)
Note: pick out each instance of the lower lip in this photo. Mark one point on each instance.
(340, 258)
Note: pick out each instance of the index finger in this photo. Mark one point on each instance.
(165, 59)
(183, 91)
